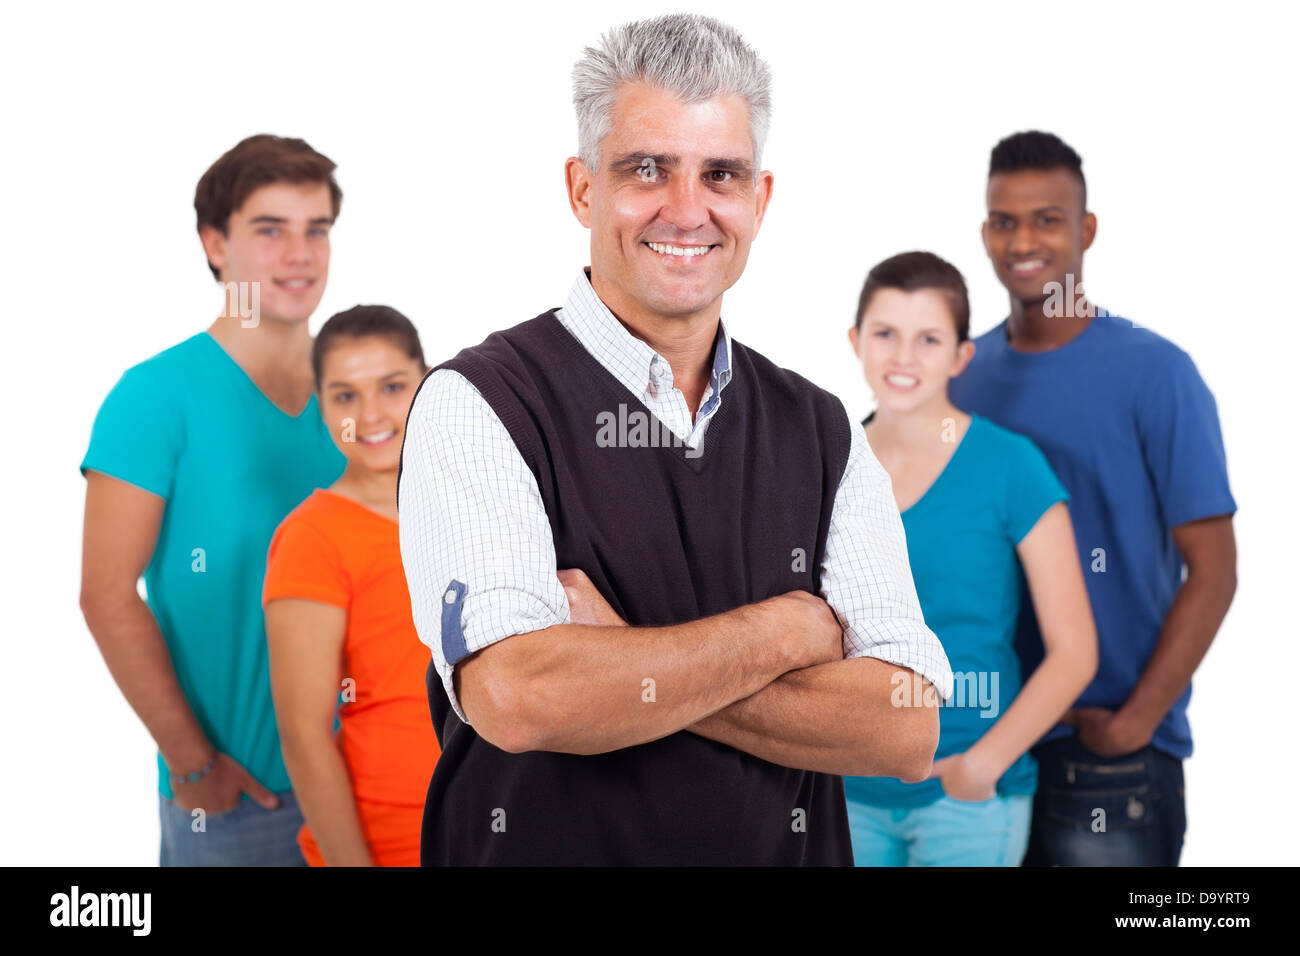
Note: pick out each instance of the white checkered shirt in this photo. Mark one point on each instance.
(469, 510)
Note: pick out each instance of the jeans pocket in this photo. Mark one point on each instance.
(1101, 795)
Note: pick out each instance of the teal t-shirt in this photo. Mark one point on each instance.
(961, 543)
(190, 426)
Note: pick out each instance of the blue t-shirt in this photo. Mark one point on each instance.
(961, 543)
(1133, 433)
(190, 426)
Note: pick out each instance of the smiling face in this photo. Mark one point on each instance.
(279, 238)
(1036, 231)
(907, 343)
(675, 205)
(369, 381)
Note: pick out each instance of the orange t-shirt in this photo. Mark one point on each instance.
(335, 550)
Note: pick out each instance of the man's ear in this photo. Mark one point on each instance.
(984, 238)
(578, 182)
(853, 338)
(214, 246)
(762, 197)
(1089, 230)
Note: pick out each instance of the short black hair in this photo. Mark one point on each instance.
(362, 321)
(912, 271)
(1034, 149)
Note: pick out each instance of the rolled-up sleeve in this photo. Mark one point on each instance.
(475, 538)
(866, 577)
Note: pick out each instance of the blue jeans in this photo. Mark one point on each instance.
(948, 832)
(247, 835)
(1106, 811)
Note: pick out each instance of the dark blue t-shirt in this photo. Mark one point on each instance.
(1132, 432)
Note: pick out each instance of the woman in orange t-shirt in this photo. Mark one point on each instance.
(338, 614)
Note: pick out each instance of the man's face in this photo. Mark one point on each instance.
(675, 204)
(1036, 231)
(279, 237)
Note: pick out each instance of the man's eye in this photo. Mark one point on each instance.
(343, 397)
(1049, 220)
(882, 333)
(723, 172)
(395, 386)
(319, 231)
(269, 231)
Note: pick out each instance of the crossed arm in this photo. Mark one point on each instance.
(767, 678)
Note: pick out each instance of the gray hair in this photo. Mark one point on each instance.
(693, 57)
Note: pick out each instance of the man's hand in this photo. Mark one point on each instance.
(1106, 732)
(586, 604)
(806, 616)
(221, 788)
(963, 779)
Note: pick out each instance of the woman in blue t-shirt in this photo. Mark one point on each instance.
(978, 503)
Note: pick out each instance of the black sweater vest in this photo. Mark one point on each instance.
(667, 536)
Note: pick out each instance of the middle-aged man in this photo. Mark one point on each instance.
(711, 730)
(197, 454)
(1133, 433)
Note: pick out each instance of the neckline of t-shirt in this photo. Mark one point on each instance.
(694, 462)
(366, 508)
(311, 399)
(1000, 336)
(948, 466)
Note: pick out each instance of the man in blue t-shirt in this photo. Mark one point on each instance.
(195, 457)
(1133, 433)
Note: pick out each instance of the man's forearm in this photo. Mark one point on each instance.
(836, 718)
(583, 689)
(1189, 628)
(136, 654)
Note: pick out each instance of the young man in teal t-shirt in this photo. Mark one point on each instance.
(196, 456)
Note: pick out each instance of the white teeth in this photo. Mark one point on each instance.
(666, 250)
(1027, 266)
(902, 381)
(375, 439)
(295, 283)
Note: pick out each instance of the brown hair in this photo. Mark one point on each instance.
(253, 163)
(910, 271)
(359, 322)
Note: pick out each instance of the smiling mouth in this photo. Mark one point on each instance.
(377, 439)
(294, 285)
(1028, 267)
(683, 253)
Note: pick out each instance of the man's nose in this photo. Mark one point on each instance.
(687, 205)
(1023, 239)
(297, 249)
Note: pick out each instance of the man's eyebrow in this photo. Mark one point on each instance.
(733, 163)
(639, 158)
(280, 220)
(1040, 209)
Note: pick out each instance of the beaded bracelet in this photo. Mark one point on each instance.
(195, 776)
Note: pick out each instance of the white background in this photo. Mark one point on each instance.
(450, 126)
